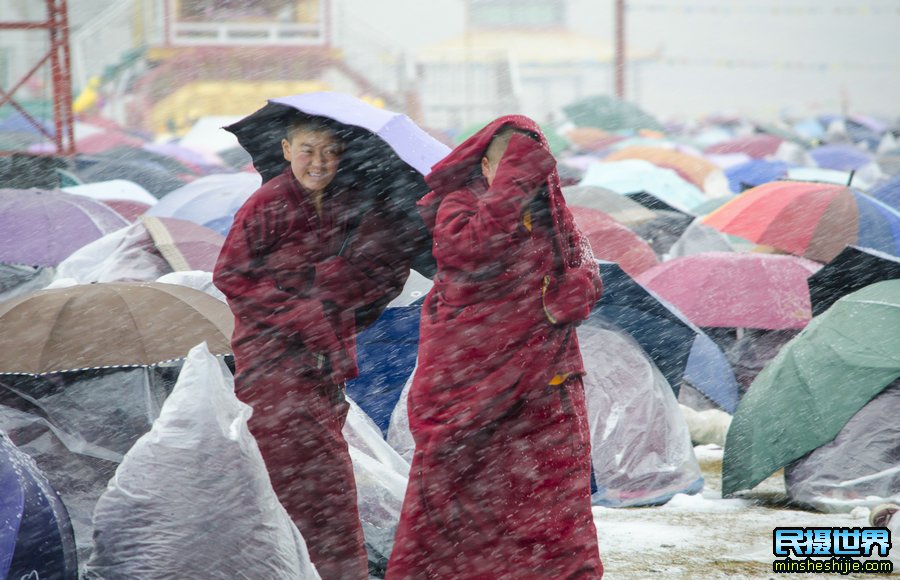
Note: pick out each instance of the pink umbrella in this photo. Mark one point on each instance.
(129, 209)
(727, 289)
(613, 242)
(185, 245)
(756, 146)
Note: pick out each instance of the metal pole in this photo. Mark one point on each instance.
(620, 49)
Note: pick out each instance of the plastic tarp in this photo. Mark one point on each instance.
(78, 425)
(126, 254)
(192, 498)
(381, 476)
(18, 280)
(196, 279)
(859, 467)
(36, 539)
(640, 444)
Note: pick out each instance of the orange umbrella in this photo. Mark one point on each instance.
(813, 220)
(613, 242)
(591, 138)
(692, 168)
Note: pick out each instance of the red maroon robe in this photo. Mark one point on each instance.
(499, 485)
(296, 282)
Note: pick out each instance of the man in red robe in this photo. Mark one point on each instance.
(500, 481)
(300, 267)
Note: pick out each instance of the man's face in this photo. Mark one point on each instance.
(314, 157)
(492, 157)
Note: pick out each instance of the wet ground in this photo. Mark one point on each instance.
(708, 537)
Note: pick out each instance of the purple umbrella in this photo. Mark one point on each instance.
(43, 227)
(261, 132)
(385, 154)
(840, 157)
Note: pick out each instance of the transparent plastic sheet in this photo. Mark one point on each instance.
(192, 498)
(78, 425)
(859, 467)
(399, 437)
(126, 254)
(17, 280)
(381, 476)
(750, 353)
(640, 444)
(196, 279)
(698, 238)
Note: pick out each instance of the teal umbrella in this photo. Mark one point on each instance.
(818, 381)
(610, 114)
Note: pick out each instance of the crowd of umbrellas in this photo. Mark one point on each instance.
(748, 267)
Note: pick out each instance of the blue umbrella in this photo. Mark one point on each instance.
(36, 537)
(386, 354)
(679, 349)
(840, 157)
(385, 154)
(755, 172)
(888, 192)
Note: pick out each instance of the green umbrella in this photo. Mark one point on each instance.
(818, 381)
(610, 114)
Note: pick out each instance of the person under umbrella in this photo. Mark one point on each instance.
(500, 480)
(303, 268)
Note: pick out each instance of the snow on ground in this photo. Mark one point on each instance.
(705, 536)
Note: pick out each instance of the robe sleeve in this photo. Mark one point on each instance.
(252, 288)
(370, 272)
(470, 229)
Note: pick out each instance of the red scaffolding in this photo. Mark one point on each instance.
(57, 27)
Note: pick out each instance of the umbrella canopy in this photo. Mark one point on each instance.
(42, 227)
(691, 168)
(755, 172)
(591, 138)
(617, 206)
(665, 335)
(210, 201)
(813, 220)
(130, 210)
(261, 132)
(888, 192)
(114, 324)
(385, 154)
(818, 381)
(757, 146)
(185, 245)
(852, 269)
(663, 231)
(699, 238)
(36, 539)
(613, 242)
(114, 189)
(728, 289)
(155, 179)
(610, 114)
(841, 157)
(635, 176)
(144, 251)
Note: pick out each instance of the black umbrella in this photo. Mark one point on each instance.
(851, 270)
(664, 230)
(384, 159)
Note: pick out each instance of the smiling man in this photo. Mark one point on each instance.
(301, 267)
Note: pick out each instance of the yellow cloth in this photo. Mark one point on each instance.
(559, 379)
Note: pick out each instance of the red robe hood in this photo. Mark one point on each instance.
(462, 166)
